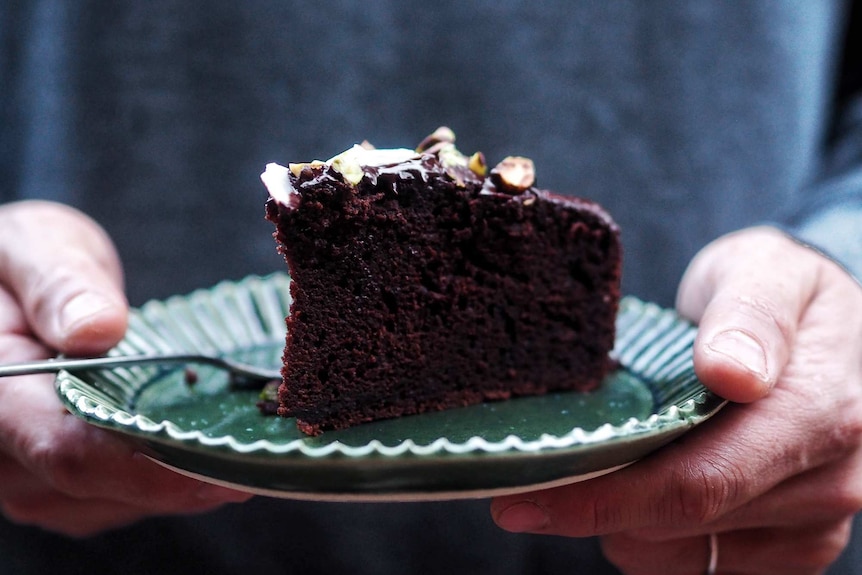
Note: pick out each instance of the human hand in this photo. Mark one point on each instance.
(778, 477)
(61, 290)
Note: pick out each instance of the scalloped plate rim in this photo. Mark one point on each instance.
(628, 441)
(165, 431)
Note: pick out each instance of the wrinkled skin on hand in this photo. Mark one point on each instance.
(778, 473)
(61, 291)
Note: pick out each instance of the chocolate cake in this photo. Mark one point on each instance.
(421, 281)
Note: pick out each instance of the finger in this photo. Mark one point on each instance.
(63, 270)
(83, 461)
(16, 340)
(26, 499)
(793, 551)
(827, 494)
(728, 462)
(748, 302)
(79, 518)
(23, 490)
(634, 556)
(687, 484)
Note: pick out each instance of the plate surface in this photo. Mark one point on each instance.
(206, 430)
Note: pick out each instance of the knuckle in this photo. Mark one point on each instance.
(702, 492)
(767, 312)
(605, 516)
(59, 463)
(61, 284)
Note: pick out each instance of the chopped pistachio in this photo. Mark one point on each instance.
(441, 134)
(477, 164)
(514, 175)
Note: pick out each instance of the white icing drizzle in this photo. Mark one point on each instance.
(276, 178)
(350, 163)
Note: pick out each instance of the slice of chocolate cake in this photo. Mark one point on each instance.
(421, 283)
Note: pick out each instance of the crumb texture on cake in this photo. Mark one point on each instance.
(427, 284)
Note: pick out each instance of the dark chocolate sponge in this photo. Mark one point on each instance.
(422, 285)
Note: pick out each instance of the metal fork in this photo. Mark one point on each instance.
(241, 374)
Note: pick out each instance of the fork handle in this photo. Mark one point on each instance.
(77, 364)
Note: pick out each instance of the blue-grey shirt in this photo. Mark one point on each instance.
(686, 120)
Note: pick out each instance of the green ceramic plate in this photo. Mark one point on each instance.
(209, 431)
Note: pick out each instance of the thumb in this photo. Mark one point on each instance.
(747, 291)
(65, 274)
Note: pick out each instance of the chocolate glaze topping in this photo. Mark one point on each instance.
(435, 157)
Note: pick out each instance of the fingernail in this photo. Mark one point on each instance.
(742, 349)
(82, 308)
(524, 516)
